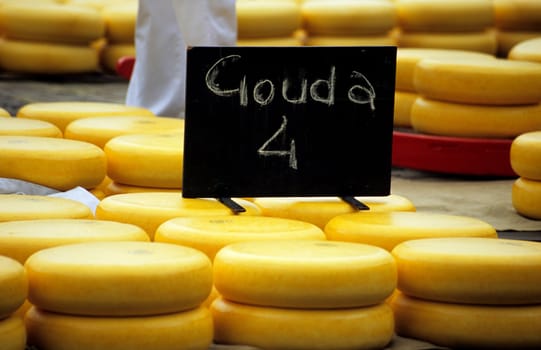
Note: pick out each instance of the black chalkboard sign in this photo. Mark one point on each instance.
(288, 121)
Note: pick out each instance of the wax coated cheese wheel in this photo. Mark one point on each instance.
(364, 40)
(274, 328)
(525, 155)
(12, 333)
(407, 59)
(529, 50)
(120, 21)
(149, 210)
(30, 207)
(388, 229)
(47, 58)
(443, 16)
(469, 120)
(517, 14)
(111, 53)
(182, 330)
(267, 18)
(4, 113)
(210, 234)
(148, 160)
(508, 39)
(52, 162)
(313, 274)
(118, 278)
(63, 113)
(51, 22)
(13, 286)
(274, 41)
(470, 270)
(460, 326)
(490, 82)
(118, 188)
(22, 238)
(482, 41)
(28, 127)
(403, 100)
(526, 197)
(319, 210)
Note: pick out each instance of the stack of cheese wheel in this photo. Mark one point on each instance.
(469, 293)
(406, 61)
(527, 50)
(268, 23)
(319, 210)
(516, 21)
(447, 24)
(348, 22)
(303, 294)
(49, 38)
(120, 18)
(525, 158)
(149, 210)
(13, 292)
(388, 229)
(118, 296)
(32, 207)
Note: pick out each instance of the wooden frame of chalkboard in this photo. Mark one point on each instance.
(288, 121)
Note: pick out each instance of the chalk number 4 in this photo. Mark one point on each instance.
(291, 153)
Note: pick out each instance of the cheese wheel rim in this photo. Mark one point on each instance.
(525, 155)
(30, 207)
(267, 19)
(13, 286)
(526, 198)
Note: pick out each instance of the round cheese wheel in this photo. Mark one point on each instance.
(47, 58)
(490, 82)
(63, 113)
(149, 210)
(526, 197)
(22, 238)
(118, 278)
(182, 330)
(525, 155)
(111, 53)
(267, 18)
(30, 207)
(4, 113)
(13, 333)
(210, 234)
(319, 210)
(120, 21)
(508, 39)
(482, 41)
(528, 50)
(517, 14)
(469, 120)
(388, 229)
(312, 274)
(28, 127)
(276, 328)
(444, 16)
(348, 17)
(53, 162)
(403, 100)
(359, 40)
(470, 270)
(118, 188)
(408, 57)
(13, 286)
(461, 326)
(148, 160)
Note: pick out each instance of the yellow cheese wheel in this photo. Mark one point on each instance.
(526, 197)
(468, 326)
(182, 330)
(151, 209)
(210, 234)
(408, 57)
(99, 130)
(388, 229)
(469, 120)
(63, 113)
(275, 328)
(47, 58)
(28, 127)
(4, 113)
(481, 41)
(319, 210)
(13, 286)
(53, 162)
(274, 41)
(118, 278)
(525, 155)
(148, 160)
(403, 100)
(348, 17)
(120, 20)
(267, 18)
(528, 50)
(13, 333)
(491, 82)
(30, 207)
(312, 274)
(118, 188)
(443, 16)
(517, 14)
(112, 53)
(51, 22)
(508, 39)
(22, 238)
(343, 40)
(470, 270)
